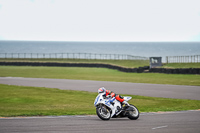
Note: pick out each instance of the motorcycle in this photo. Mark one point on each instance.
(108, 107)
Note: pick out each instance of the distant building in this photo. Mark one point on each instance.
(155, 61)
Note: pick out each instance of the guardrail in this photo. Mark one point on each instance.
(183, 59)
(72, 56)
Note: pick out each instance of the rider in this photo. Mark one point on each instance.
(112, 94)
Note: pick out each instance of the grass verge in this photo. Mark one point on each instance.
(98, 74)
(38, 101)
(181, 65)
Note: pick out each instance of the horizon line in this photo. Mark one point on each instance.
(104, 41)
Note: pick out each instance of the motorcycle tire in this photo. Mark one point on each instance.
(101, 114)
(133, 115)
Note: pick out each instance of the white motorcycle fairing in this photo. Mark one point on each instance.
(113, 104)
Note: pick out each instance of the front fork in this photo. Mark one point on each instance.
(104, 108)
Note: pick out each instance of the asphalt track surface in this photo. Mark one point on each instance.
(153, 90)
(182, 122)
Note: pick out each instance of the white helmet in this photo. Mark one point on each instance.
(102, 90)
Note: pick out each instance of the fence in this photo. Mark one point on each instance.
(71, 56)
(183, 59)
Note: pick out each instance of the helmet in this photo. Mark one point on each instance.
(102, 90)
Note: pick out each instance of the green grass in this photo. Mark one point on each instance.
(181, 65)
(98, 74)
(123, 63)
(38, 101)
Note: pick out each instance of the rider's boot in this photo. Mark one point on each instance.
(125, 104)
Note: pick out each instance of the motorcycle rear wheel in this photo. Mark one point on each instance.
(133, 115)
(103, 113)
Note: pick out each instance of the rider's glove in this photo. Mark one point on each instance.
(109, 96)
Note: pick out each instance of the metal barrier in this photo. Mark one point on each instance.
(183, 59)
(72, 56)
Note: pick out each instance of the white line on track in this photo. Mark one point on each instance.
(160, 127)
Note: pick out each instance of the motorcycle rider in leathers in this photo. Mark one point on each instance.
(112, 94)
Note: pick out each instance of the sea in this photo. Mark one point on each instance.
(144, 49)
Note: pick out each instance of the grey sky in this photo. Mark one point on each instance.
(100, 20)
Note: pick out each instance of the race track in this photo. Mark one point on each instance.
(182, 122)
(154, 90)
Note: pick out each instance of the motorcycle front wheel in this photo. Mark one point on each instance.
(103, 113)
(133, 114)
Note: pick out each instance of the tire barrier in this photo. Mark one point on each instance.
(97, 65)
(145, 69)
(175, 71)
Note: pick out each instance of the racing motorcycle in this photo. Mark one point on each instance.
(108, 107)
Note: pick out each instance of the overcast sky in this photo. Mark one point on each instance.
(100, 20)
